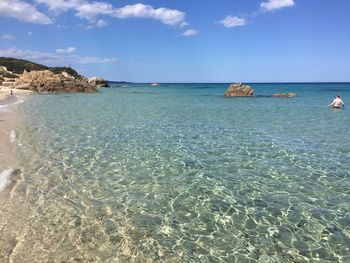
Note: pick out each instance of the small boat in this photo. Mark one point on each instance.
(155, 85)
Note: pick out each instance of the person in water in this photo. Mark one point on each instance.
(337, 102)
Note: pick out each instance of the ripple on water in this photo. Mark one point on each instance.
(181, 177)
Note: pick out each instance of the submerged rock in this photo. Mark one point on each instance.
(284, 95)
(47, 81)
(239, 90)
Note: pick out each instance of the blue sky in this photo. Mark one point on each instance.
(183, 40)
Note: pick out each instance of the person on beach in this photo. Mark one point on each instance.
(11, 93)
(337, 102)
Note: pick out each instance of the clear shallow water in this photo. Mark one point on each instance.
(180, 174)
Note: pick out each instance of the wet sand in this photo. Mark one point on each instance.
(11, 224)
(5, 92)
(8, 228)
(3, 96)
(8, 123)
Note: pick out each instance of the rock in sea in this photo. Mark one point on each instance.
(239, 90)
(99, 82)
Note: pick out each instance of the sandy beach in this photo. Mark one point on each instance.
(5, 92)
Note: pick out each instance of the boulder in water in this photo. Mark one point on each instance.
(98, 82)
(239, 90)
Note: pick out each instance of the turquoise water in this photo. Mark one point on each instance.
(180, 174)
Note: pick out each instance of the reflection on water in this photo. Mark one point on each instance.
(181, 177)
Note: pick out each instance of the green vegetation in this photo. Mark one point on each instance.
(9, 75)
(19, 65)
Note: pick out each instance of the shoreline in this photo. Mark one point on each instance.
(13, 210)
(5, 93)
(9, 122)
(8, 147)
(12, 220)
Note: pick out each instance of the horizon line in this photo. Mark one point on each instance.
(273, 82)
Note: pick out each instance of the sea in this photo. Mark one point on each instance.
(178, 173)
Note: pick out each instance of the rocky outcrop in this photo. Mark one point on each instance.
(24, 74)
(284, 95)
(239, 90)
(98, 82)
(47, 81)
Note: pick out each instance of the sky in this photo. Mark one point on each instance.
(183, 40)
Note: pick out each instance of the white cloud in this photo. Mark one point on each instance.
(96, 60)
(268, 5)
(233, 21)
(29, 33)
(69, 50)
(23, 11)
(29, 54)
(58, 6)
(91, 10)
(54, 58)
(101, 23)
(7, 37)
(184, 24)
(167, 16)
(276, 4)
(190, 32)
(97, 24)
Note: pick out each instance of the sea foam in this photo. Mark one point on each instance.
(4, 108)
(4, 178)
(13, 136)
